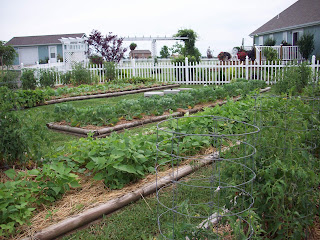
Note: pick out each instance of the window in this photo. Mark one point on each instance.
(285, 36)
(261, 40)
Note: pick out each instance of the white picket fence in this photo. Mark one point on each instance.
(208, 72)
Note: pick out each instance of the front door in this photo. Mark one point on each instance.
(295, 37)
(53, 54)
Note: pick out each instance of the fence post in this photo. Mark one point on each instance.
(187, 70)
(133, 64)
(247, 67)
(313, 65)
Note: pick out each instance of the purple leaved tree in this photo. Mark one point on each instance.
(108, 47)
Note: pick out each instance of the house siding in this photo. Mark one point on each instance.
(43, 53)
(315, 30)
(16, 60)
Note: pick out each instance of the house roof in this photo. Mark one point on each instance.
(41, 40)
(140, 51)
(301, 14)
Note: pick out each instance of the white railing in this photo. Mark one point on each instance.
(210, 72)
(284, 53)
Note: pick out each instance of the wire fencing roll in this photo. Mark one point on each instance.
(215, 200)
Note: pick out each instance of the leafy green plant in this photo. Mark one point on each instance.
(111, 72)
(9, 79)
(66, 78)
(80, 75)
(47, 77)
(270, 54)
(7, 54)
(129, 109)
(28, 79)
(306, 45)
(31, 188)
(269, 42)
(293, 79)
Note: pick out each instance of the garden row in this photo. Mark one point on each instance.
(31, 98)
(285, 206)
(287, 174)
(105, 115)
(122, 158)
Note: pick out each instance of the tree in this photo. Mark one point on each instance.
(109, 47)
(306, 45)
(189, 48)
(164, 53)
(133, 46)
(209, 53)
(7, 54)
(176, 48)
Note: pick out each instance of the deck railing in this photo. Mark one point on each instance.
(284, 53)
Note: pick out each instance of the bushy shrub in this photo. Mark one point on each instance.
(242, 55)
(270, 54)
(110, 71)
(136, 80)
(293, 79)
(306, 45)
(47, 78)
(80, 75)
(19, 137)
(252, 54)
(28, 79)
(66, 78)
(224, 56)
(269, 42)
(9, 79)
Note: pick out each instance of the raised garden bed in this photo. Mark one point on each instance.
(111, 94)
(98, 132)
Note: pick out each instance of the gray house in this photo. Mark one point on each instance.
(301, 17)
(34, 49)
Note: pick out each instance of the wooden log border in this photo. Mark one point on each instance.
(112, 94)
(108, 130)
(90, 215)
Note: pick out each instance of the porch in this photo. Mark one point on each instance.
(285, 53)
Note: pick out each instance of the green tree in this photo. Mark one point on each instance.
(133, 46)
(164, 53)
(7, 54)
(176, 48)
(189, 48)
(306, 45)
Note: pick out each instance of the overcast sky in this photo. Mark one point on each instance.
(220, 24)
